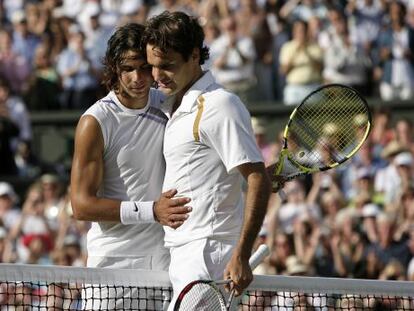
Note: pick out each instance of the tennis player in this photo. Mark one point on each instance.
(118, 166)
(209, 146)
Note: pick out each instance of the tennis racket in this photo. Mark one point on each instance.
(324, 131)
(207, 295)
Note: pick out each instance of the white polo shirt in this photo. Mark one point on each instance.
(206, 170)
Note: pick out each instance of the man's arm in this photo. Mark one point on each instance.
(258, 192)
(86, 177)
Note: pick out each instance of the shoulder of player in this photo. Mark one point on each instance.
(103, 108)
(221, 100)
(88, 126)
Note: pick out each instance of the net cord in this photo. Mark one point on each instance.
(145, 278)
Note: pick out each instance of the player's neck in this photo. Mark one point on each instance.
(199, 73)
(132, 102)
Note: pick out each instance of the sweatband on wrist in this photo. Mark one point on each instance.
(134, 212)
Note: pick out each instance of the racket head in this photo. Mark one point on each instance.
(324, 131)
(200, 295)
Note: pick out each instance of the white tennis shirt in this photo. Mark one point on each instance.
(133, 171)
(206, 170)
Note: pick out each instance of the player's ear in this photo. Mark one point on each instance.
(195, 55)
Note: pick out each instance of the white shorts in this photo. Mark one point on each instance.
(203, 259)
(101, 297)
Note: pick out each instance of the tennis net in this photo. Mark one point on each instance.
(32, 287)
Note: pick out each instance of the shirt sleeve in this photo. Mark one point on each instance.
(226, 127)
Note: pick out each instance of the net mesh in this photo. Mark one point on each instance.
(327, 127)
(26, 287)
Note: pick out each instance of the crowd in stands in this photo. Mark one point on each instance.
(355, 221)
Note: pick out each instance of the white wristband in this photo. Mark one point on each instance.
(133, 212)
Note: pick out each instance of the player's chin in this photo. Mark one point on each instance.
(136, 92)
(167, 90)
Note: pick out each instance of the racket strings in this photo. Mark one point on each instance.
(323, 130)
(203, 297)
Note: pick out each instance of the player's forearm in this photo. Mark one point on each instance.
(257, 197)
(92, 208)
(102, 209)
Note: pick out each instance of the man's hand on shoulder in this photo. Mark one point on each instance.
(170, 211)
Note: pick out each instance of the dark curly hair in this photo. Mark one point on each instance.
(125, 38)
(177, 31)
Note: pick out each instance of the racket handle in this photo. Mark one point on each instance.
(282, 195)
(257, 257)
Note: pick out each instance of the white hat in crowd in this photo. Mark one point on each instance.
(370, 210)
(404, 159)
(295, 266)
(7, 189)
(258, 127)
(364, 172)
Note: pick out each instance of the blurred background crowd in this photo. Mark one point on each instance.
(354, 221)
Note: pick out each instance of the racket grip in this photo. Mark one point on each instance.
(282, 195)
(257, 257)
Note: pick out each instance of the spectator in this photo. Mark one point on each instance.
(366, 18)
(9, 211)
(296, 207)
(5, 247)
(15, 109)
(410, 243)
(73, 249)
(281, 249)
(44, 84)
(24, 41)
(233, 57)
(396, 48)
(31, 226)
(295, 266)
(280, 37)
(37, 17)
(167, 5)
(347, 244)
(306, 235)
(404, 210)
(55, 39)
(95, 34)
(404, 133)
(326, 192)
(369, 213)
(252, 22)
(344, 61)
(13, 66)
(8, 131)
(38, 248)
(303, 10)
(358, 175)
(28, 165)
(394, 271)
(382, 132)
(301, 63)
(269, 150)
(387, 179)
(329, 31)
(387, 248)
(79, 80)
(51, 188)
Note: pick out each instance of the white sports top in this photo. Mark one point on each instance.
(206, 170)
(134, 169)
